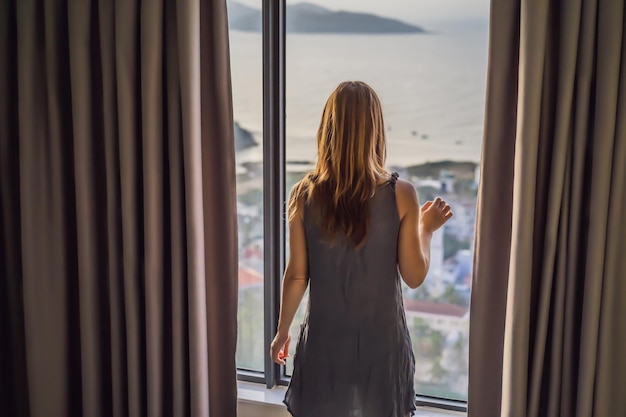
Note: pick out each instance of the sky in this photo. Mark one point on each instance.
(412, 11)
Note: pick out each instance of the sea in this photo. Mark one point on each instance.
(432, 88)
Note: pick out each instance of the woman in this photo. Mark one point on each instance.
(355, 230)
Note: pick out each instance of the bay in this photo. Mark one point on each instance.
(432, 87)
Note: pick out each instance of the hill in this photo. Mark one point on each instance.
(310, 18)
(461, 170)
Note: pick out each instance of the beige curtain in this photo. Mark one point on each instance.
(548, 314)
(117, 209)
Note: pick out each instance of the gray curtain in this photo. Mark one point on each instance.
(548, 313)
(118, 234)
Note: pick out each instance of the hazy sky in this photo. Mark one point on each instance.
(414, 11)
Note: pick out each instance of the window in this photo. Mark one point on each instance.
(247, 81)
(427, 62)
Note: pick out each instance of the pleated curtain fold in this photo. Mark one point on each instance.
(548, 317)
(118, 241)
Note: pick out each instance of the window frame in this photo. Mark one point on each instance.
(274, 193)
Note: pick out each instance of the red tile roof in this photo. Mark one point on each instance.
(431, 307)
(249, 277)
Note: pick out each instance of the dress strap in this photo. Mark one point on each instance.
(393, 179)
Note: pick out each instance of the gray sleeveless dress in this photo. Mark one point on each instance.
(354, 357)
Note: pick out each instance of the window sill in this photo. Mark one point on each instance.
(255, 400)
(249, 392)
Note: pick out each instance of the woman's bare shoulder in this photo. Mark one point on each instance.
(300, 188)
(298, 196)
(406, 197)
(405, 189)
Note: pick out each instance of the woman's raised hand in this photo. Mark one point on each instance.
(434, 214)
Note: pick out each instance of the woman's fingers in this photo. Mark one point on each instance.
(279, 350)
(285, 350)
(444, 207)
(278, 358)
(446, 211)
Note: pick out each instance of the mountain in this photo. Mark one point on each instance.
(461, 170)
(310, 18)
(243, 18)
(307, 8)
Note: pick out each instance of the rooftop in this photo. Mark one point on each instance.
(249, 277)
(431, 307)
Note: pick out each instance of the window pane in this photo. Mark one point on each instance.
(247, 85)
(432, 86)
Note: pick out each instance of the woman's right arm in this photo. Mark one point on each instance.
(295, 281)
(417, 225)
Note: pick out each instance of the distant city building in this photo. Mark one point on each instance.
(447, 180)
(477, 174)
(435, 269)
(464, 259)
(444, 317)
(244, 210)
(427, 183)
(462, 225)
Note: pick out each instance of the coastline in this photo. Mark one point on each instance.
(403, 152)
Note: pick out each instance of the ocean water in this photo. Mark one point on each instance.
(432, 88)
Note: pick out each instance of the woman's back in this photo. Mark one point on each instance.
(353, 284)
(354, 346)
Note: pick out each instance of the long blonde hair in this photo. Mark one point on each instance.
(351, 157)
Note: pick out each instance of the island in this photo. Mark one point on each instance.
(313, 19)
(243, 138)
